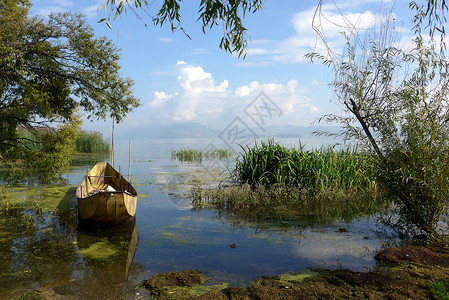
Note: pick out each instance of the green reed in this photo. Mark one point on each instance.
(194, 155)
(92, 142)
(286, 183)
(270, 163)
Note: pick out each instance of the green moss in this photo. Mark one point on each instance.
(198, 290)
(101, 250)
(32, 296)
(296, 277)
(180, 285)
(440, 289)
(187, 292)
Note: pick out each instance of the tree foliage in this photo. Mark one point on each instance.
(227, 13)
(397, 105)
(430, 15)
(49, 69)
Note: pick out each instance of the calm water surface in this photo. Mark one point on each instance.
(168, 235)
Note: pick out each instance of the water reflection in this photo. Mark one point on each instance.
(109, 250)
(105, 260)
(49, 251)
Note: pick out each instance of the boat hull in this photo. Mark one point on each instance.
(104, 196)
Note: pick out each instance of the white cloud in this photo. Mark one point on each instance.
(245, 90)
(166, 40)
(194, 74)
(160, 98)
(91, 11)
(51, 10)
(63, 3)
(198, 52)
(57, 6)
(199, 98)
(332, 20)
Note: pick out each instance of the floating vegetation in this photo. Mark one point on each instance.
(101, 250)
(194, 155)
(46, 197)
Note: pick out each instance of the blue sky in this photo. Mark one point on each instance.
(191, 80)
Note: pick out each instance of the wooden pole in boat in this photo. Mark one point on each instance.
(112, 152)
(129, 161)
(85, 177)
(113, 120)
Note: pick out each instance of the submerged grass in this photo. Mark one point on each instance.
(274, 182)
(194, 155)
(283, 203)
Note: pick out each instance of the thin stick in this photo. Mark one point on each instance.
(112, 152)
(129, 161)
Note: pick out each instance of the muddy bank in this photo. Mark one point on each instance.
(401, 273)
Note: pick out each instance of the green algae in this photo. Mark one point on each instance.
(297, 277)
(179, 238)
(101, 250)
(48, 198)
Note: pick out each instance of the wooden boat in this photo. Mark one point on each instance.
(104, 196)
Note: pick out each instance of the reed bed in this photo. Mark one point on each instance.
(194, 155)
(92, 142)
(274, 182)
(270, 163)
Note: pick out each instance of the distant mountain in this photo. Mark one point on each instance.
(293, 131)
(195, 130)
(186, 130)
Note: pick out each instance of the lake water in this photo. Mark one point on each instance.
(58, 257)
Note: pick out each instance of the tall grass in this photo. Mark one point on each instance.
(275, 182)
(270, 164)
(92, 142)
(194, 155)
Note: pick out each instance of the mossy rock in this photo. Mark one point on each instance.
(179, 285)
(183, 278)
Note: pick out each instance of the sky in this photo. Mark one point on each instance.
(181, 80)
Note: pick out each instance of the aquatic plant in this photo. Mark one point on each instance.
(274, 182)
(271, 163)
(194, 155)
(92, 142)
(286, 204)
(187, 154)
